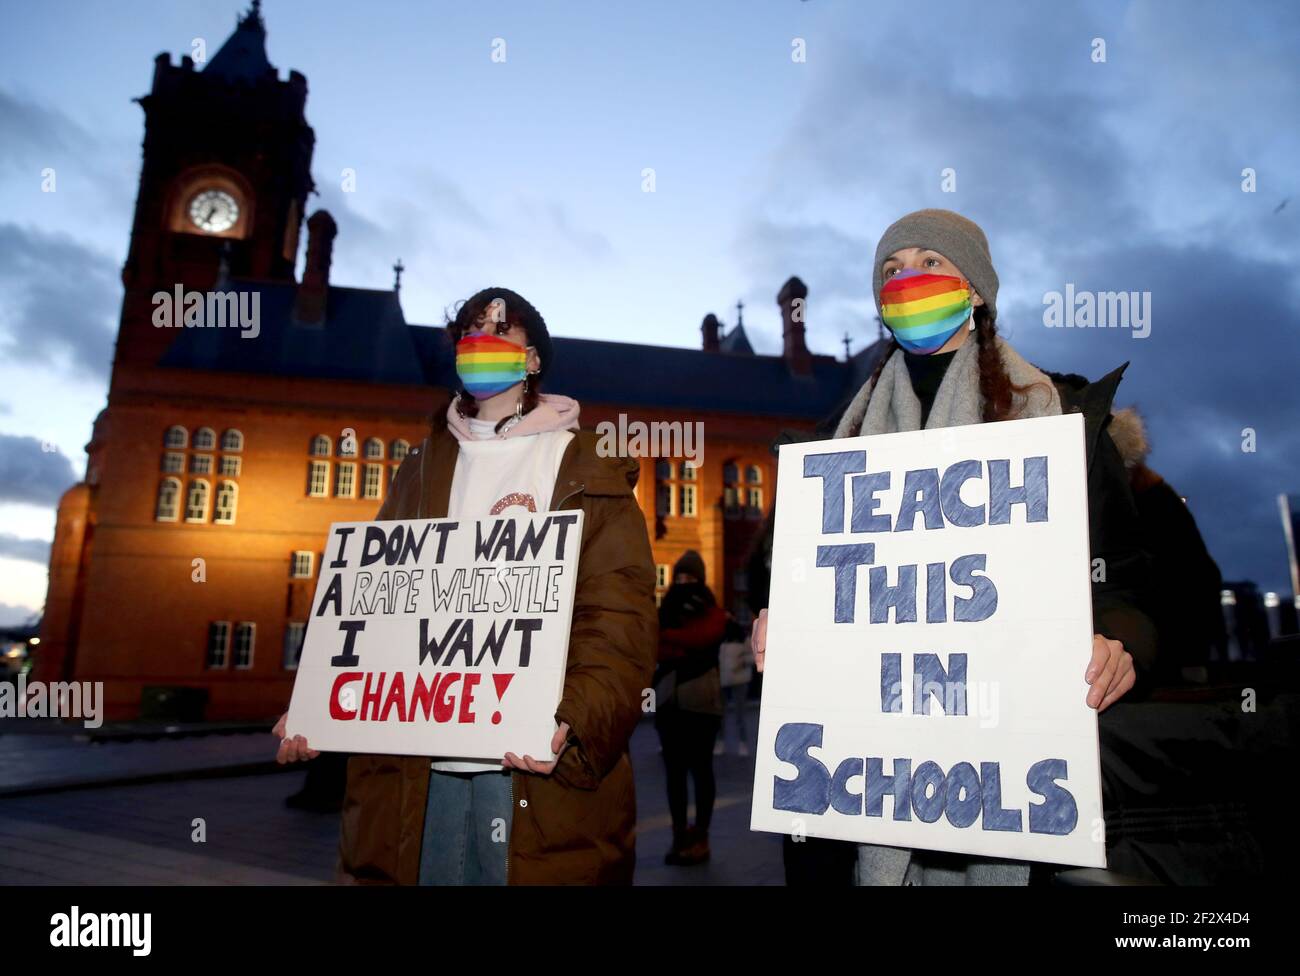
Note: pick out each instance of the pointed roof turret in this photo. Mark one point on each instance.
(243, 56)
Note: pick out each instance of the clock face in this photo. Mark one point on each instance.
(213, 211)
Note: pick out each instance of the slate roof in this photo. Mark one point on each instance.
(366, 338)
(243, 56)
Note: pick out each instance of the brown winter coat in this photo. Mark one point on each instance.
(577, 825)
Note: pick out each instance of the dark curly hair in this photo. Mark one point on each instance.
(472, 313)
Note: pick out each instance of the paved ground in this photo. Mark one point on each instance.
(144, 833)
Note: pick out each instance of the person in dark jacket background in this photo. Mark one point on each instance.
(688, 706)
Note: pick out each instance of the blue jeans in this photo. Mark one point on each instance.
(466, 829)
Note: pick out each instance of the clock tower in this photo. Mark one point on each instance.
(225, 177)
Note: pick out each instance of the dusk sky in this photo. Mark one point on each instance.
(1117, 175)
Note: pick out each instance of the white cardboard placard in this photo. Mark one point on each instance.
(996, 538)
(439, 637)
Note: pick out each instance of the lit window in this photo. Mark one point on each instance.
(230, 467)
(687, 500)
(300, 567)
(375, 449)
(731, 498)
(689, 471)
(201, 464)
(205, 439)
(293, 636)
(173, 462)
(176, 437)
(392, 473)
(345, 479)
(169, 494)
(400, 449)
(318, 479)
(218, 643)
(232, 440)
(244, 638)
(227, 499)
(755, 498)
(661, 575)
(374, 478)
(321, 446)
(196, 501)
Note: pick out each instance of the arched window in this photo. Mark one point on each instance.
(176, 436)
(169, 495)
(227, 500)
(375, 449)
(196, 501)
(232, 440)
(689, 471)
(400, 449)
(205, 439)
(321, 446)
(754, 474)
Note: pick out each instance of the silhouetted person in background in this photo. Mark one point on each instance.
(688, 702)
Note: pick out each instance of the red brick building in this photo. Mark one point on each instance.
(187, 558)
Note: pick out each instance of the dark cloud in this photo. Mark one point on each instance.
(32, 134)
(60, 299)
(1116, 176)
(1220, 359)
(30, 474)
(31, 550)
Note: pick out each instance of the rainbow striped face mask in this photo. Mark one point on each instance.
(488, 364)
(924, 310)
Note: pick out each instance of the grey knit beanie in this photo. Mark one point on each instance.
(959, 240)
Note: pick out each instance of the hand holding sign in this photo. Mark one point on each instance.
(528, 764)
(1110, 673)
(758, 639)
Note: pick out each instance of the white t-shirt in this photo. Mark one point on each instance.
(492, 476)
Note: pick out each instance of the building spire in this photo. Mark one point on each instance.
(740, 313)
(398, 268)
(242, 58)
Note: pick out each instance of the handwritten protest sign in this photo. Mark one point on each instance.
(930, 625)
(439, 637)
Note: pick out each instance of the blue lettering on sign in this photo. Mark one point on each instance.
(963, 794)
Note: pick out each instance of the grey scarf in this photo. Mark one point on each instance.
(886, 408)
(890, 405)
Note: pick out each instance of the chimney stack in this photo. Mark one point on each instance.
(711, 331)
(793, 299)
(312, 293)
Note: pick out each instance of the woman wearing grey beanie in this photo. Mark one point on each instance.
(936, 290)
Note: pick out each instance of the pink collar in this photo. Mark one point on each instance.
(553, 412)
